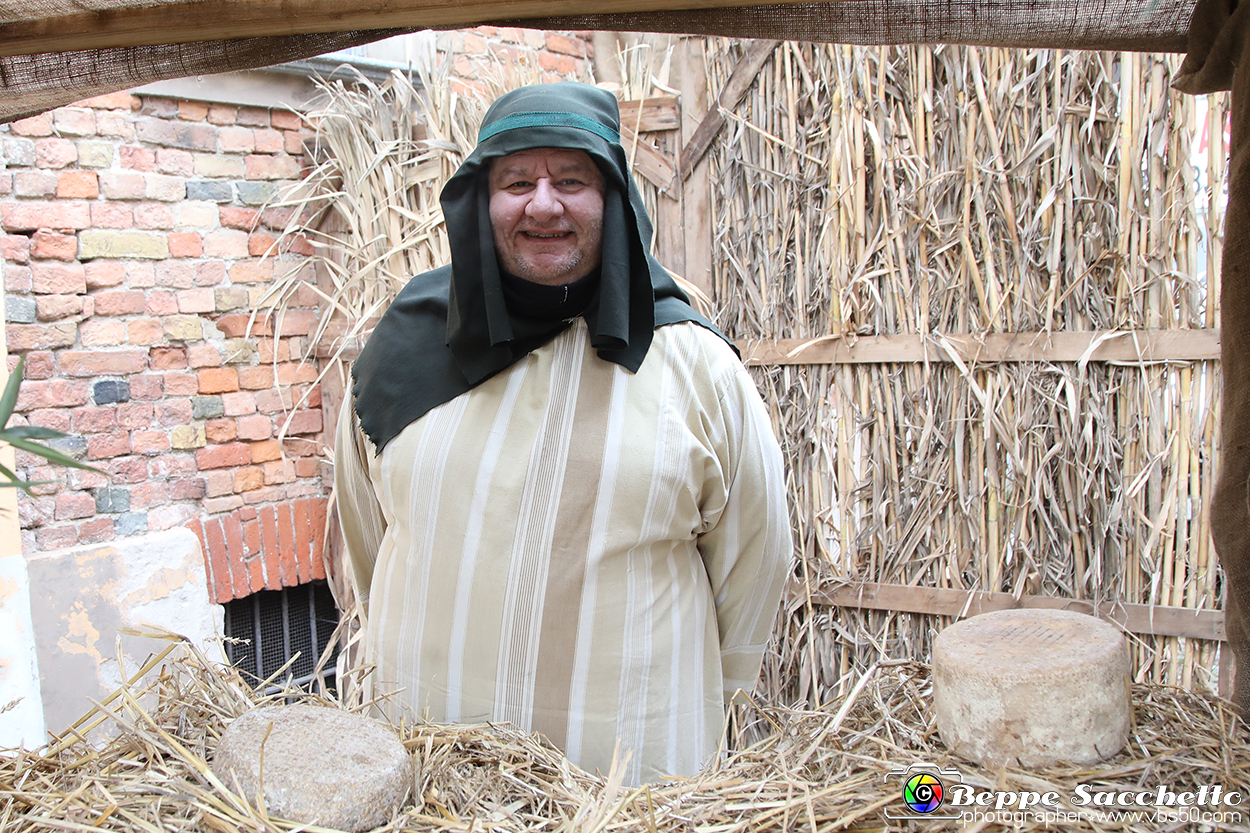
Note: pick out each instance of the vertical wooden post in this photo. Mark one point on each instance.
(696, 191)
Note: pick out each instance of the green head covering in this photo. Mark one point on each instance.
(451, 329)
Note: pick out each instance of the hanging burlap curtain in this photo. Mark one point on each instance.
(53, 52)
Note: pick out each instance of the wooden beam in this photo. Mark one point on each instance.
(741, 80)
(1132, 347)
(1155, 620)
(212, 20)
(648, 161)
(657, 114)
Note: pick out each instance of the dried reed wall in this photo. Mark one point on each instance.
(962, 192)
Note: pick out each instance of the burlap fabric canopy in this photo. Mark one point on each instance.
(56, 51)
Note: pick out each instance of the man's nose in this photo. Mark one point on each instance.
(544, 201)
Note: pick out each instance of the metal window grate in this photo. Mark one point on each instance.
(267, 628)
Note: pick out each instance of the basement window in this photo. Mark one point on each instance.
(266, 629)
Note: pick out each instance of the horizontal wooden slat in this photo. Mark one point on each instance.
(657, 114)
(1156, 620)
(648, 161)
(1149, 346)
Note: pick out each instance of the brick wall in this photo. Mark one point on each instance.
(132, 235)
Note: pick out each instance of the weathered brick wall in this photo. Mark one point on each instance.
(530, 53)
(132, 235)
(132, 240)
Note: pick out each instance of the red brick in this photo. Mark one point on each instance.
(39, 365)
(17, 278)
(305, 422)
(204, 355)
(259, 243)
(173, 413)
(141, 274)
(269, 141)
(129, 470)
(145, 331)
(277, 472)
(111, 215)
(185, 244)
(192, 110)
(15, 248)
(187, 489)
(300, 245)
(255, 427)
(270, 547)
(103, 362)
(149, 215)
(219, 557)
(95, 530)
(293, 373)
(176, 384)
(135, 415)
(77, 185)
(112, 101)
(218, 380)
(173, 161)
(122, 185)
(286, 540)
(248, 478)
(31, 184)
(73, 505)
(56, 537)
(23, 337)
(168, 358)
(149, 442)
(302, 521)
(101, 274)
(293, 142)
(94, 420)
(54, 278)
(161, 302)
(55, 307)
(286, 120)
(273, 400)
(210, 274)
(221, 431)
(40, 125)
(191, 301)
(306, 466)
(223, 456)
(241, 403)
(278, 218)
(51, 245)
(137, 157)
(253, 116)
(119, 302)
(222, 113)
(256, 377)
(55, 152)
(175, 275)
(235, 325)
(225, 243)
(236, 140)
(265, 450)
(104, 446)
(53, 393)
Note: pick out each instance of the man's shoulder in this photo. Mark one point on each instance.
(432, 284)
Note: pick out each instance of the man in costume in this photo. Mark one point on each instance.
(562, 501)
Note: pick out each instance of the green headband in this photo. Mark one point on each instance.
(517, 121)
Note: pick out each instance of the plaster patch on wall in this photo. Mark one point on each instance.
(21, 725)
(84, 597)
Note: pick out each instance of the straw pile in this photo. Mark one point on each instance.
(908, 190)
(822, 770)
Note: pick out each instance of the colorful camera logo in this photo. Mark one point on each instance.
(923, 793)
(923, 789)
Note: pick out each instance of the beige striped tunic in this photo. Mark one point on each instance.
(575, 549)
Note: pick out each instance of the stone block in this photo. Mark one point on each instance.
(256, 193)
(207, 407)
(95, 154)
(322, 765)
(112, 500)
(209, 190)
(19, 310)
(109, 391)
(187, 437)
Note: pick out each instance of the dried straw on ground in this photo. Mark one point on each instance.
(820, 770)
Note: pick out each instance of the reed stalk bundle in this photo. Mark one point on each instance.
(940, 191)
(818, 770)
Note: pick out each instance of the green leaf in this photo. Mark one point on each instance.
(31, 432)
(8, 401)
(50, 454)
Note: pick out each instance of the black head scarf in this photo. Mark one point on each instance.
(451, 329)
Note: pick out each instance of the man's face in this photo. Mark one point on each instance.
(546, 214)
